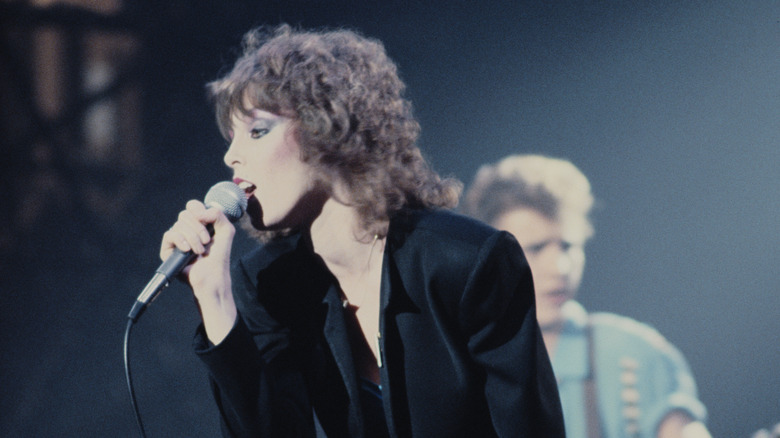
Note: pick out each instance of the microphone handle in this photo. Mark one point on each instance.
(170, 268)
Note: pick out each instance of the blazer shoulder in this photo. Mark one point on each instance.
(448, 240)
(432, 226)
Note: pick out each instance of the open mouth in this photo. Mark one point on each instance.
(253, 209)
(247, 187)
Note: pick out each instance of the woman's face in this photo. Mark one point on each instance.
(556, 259)
(266, 161)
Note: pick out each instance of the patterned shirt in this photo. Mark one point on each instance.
(640, 377)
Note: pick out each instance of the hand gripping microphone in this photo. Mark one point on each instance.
(227, 197)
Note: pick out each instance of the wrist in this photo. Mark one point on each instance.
(218, 312)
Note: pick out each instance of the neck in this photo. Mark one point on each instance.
(351, 254)
(550, 341)
(550, 334)
(338, 238)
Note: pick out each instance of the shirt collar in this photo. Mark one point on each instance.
(570, 360)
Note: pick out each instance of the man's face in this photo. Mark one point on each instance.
(556, 257)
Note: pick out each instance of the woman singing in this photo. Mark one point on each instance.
(367, 309)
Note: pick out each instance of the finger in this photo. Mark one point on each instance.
(185, 234)
(224, 231)
(173, 239)
(194, 228)
(195, 207)
(188, 233)
(204, 216)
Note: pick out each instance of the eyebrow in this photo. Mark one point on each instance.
(541, 242)
(258, 114)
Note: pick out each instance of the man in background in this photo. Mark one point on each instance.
(617, 378)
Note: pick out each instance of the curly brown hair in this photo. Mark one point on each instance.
(353, 123)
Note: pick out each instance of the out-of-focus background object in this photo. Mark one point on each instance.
(767, 433)
(670, 108)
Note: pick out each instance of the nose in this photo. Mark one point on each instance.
(231, 157)
(558, 258)
(563, 262)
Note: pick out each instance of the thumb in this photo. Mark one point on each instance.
(224, 231)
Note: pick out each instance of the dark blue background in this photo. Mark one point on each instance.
(671, 109)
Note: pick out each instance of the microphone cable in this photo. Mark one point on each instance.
(126, 348)
(228, 198)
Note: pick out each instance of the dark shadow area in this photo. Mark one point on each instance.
(670, 110)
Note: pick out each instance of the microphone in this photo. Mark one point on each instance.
(228, 198)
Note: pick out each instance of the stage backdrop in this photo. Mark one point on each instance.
(670, 108)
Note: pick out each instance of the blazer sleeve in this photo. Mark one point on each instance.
(255, 383)
(238, 381)
(498, 314)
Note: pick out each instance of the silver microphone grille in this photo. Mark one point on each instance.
(227, 197)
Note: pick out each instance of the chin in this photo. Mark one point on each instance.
(255, 214)
(549, 318)
(553, 325)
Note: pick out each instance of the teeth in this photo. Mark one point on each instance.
(246, 186)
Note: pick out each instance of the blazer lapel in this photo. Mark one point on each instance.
(335, 332)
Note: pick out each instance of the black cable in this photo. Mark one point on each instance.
(130, 381)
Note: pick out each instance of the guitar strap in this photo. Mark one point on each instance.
(592, 418)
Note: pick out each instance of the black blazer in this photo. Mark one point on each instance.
(461, 349)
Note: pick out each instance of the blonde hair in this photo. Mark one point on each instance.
(552, 186)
